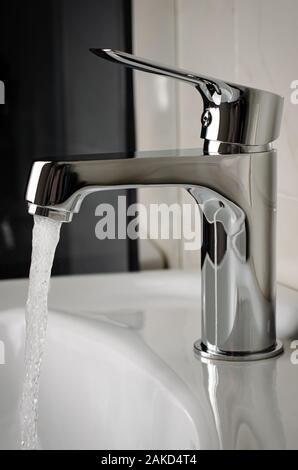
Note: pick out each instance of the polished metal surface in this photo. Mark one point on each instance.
(250, 391)
(205, 353)
(231, 113)
(236, 192)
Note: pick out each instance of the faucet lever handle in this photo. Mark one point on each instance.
(232, 113)
(212, 88)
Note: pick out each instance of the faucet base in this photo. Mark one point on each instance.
(201, 350)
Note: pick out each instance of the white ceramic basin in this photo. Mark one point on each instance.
(119, 370)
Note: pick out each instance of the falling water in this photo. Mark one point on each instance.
(46, 234)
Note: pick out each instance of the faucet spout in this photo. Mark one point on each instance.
(236, 196)
(60, 186)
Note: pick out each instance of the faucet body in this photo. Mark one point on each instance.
(233, 181)
(236, 197)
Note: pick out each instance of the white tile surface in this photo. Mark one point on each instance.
(268, 38)
(205, 44)
(154, 36)
(252, 42)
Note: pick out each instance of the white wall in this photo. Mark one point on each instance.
(253, 42)
(154, 35)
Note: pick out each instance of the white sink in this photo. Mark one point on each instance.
(119, 370)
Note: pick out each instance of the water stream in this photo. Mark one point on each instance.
(46, 233)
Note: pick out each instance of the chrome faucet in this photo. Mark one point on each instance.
(233, 181)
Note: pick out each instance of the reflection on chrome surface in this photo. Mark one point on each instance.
(233, 180)
(244, 404)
